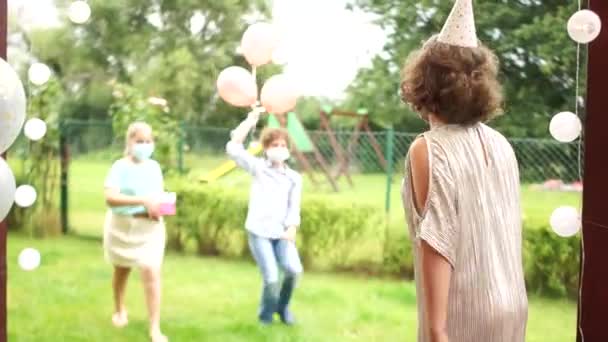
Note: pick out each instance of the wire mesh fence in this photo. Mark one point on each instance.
(351, 152)
(369, 161)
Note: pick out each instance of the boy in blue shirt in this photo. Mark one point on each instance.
(273, 216)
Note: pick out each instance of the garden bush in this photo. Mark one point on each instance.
(337, 236)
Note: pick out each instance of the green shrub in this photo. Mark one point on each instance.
(335, 236)
(551, 263)
(213, 217)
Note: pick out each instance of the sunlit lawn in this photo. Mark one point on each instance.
(69, 299)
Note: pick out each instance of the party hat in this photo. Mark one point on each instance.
(459, 28)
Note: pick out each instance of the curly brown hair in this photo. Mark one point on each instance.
(271, 134)
(457, 84)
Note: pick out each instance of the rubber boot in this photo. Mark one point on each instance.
(268, 307)
(289, 284)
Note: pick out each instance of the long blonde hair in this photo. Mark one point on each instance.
(134, 128)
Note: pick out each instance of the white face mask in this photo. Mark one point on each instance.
(277, 154)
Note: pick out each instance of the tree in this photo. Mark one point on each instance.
(172, 49)
(538, 60)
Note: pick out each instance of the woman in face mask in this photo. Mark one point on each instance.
(134, 231)
(273, 216)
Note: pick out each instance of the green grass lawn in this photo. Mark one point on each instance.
(69, 299)
(87, 207)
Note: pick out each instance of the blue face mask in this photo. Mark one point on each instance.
(142, 151)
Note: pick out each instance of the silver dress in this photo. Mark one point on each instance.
(472, 218)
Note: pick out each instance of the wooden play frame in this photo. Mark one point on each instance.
(342, 156)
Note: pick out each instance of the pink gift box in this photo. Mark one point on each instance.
(167, 204)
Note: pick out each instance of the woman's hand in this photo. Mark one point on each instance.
(290, 234)
(152, 208)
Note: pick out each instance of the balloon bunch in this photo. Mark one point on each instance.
(238, 86)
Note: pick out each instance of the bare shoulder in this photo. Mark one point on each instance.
(419, 172)
(419, 153)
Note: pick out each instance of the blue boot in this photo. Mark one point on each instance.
(289, 283)
(268, 307)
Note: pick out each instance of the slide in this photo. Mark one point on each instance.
(228, 166)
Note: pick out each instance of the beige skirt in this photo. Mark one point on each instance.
(132, 241)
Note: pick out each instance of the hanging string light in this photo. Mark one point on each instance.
(79, 12)
(12, 101)
(25, 196)
(39, 73)
(583, 27)
(34, 129)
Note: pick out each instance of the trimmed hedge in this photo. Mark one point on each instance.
(337, 236)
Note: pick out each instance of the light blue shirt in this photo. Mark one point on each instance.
(275, 196)
(135, 179)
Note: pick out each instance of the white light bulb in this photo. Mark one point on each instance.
(79, 12)
(584, 26)
(34, 129)
(39, 73)
(25, 196)
(29, 259)
(565, 221)
(565, 127)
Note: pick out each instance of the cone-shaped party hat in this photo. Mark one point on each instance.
(459, 28)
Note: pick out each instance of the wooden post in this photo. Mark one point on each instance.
(375, 144)
(343, 169)
(339, 152)
(593, 300)
(3, 225)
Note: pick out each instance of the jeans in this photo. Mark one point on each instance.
(270, 255)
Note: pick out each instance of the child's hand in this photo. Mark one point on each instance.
(254, 115)
(290, 234)
(152, 208)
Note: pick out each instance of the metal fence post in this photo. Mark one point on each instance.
(64, 164)
(180, 147)
(390, 144)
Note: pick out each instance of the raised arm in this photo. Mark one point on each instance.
(235, 149)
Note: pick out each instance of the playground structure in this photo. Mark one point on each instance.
(305, 151)
(301, 147)
(344, 157)
(228, 166)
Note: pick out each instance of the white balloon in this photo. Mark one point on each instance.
(565, 127)
(29, 259)
(584, 26)
(79, 12)
(565, 221)
(280, 55)
(34, 129)
(7, 186)
(25, 196)
(12, 105)
(39, 73)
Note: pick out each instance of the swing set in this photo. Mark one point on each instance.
(304, 149)
(344, 157)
